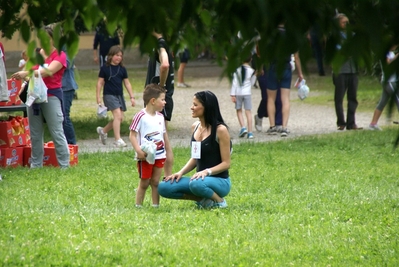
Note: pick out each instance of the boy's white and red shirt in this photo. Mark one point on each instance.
(151, 128)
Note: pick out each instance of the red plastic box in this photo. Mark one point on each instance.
(12, 135)
(11, 156)
(49, 158)
(13, 93)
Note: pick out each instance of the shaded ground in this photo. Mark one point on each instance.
(305, 119)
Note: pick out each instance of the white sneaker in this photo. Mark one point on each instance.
(120, 143)
(374, 127)
(183, 85)
(103, 136)
(258, 123)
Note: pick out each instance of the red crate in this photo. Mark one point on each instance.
(14, 86)
(11, 156)
(50, 158)
(12, 135)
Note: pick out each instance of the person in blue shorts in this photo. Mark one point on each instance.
(282, 80)
(184, 57)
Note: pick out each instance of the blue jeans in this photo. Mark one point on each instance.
(200, 188)
(67, 125)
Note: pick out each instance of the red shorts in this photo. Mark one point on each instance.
(145, 168)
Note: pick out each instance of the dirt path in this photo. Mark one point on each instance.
(305, 119)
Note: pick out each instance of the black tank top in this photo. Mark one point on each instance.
(210, 156)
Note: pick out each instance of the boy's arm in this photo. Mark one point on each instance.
(133, 140)
(130, 91)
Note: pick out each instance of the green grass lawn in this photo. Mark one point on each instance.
(328, 200)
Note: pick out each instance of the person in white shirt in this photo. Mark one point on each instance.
(243, 80)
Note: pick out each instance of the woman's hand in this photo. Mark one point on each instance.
(174, 177)
(19, 75)
(198, 175)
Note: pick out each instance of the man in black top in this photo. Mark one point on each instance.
(105, 42)
(160, 71)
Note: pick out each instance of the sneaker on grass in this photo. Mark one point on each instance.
(374, 127)
(120, 143)
(102, 136)
(220, 205)
(205, 203)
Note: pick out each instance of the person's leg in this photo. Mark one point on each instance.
(36, 134)
(211, 188)
(140, 193)
(352, 101)
(115, 124)
(285, 101)
(248, 114)
(381, 105)
(279, 109)
(177, 190)
(240, 118)
(339, 93)
(52, 113)
(68, 126)
(169, 157)
(262, 108)
(154, 182)
(271, 106)
(180, 73)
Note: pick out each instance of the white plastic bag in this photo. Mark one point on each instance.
(303, 89)
(37, 90)
(102, 111)
(3, 80)
(150, 148)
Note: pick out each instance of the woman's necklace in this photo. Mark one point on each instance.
(110, 72)
(203, 130)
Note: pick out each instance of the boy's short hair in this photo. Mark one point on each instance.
(152, 90)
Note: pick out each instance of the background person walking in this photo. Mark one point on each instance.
(111, 78)
(243, 80)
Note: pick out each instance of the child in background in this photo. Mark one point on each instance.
(112, 75)
(243, 80)
(148, 125)
(22, 62)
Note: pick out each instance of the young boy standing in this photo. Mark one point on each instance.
(148, 125)
(240, 93)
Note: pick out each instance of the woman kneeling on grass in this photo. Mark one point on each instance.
(210, 155)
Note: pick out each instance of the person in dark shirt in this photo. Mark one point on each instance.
(105, 42)
(161, 71)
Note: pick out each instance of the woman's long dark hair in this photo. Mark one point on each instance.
(212, 115)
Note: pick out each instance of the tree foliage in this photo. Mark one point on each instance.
(214, 23)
